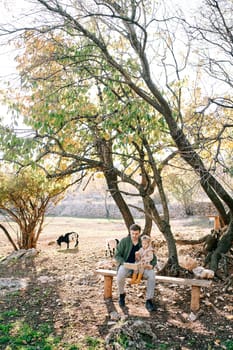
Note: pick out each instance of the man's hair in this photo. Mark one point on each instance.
(135, 227)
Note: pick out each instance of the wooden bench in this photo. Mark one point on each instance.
(195, 284)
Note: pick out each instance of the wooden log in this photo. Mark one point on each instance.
(217, 224)
(195, 298)
(165, 279)
(108, 286)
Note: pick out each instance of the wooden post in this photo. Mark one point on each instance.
(108, 286)
(217, 225)
(195, 298)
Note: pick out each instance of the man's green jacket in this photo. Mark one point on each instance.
(124, 248)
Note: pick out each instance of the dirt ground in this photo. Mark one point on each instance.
(63, 289)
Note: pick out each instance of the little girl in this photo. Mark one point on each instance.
(143, 258)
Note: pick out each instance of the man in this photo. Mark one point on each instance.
(125, 252)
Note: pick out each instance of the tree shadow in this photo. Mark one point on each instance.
(40, 302)
(171, 324)
(68, 251)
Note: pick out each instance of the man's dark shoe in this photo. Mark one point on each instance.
(122, 300)
(150, 306)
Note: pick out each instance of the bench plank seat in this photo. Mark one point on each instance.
(194, 283)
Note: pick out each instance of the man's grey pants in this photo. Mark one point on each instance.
(122, 273)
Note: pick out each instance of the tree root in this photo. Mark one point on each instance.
(228, 283)
(173, 269)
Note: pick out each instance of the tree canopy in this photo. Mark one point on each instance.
(24, 199)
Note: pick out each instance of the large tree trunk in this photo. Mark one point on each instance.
(213, 189)
(104, 149)
(111, 180)
(28, 239)
(31, 230)
(211, 186)
(165, 228)
(148, 225)
(223, 246)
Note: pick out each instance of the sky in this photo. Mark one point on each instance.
(9, 11)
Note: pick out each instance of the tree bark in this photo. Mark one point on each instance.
(111, 180)
(104, 149)
(9, 237)
(224, 244)
(165, 229)
(148, 225)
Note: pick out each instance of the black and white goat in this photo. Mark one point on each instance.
(67, 238)
(111, 245)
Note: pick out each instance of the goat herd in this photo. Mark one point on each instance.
(111, 244)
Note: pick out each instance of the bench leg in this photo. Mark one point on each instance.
(217, 225)
(195, 298)
(108, 287)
